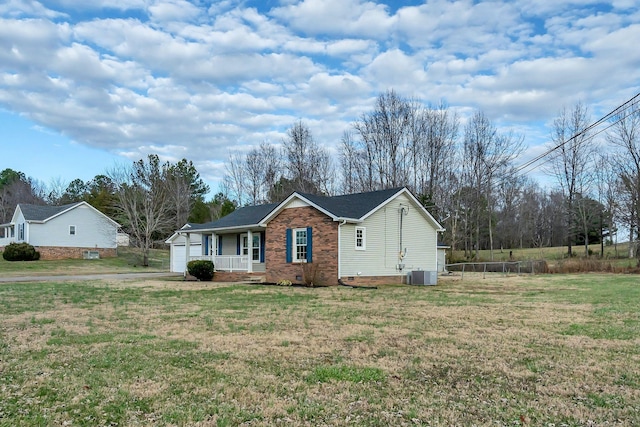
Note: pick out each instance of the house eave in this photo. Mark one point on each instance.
(237, 228)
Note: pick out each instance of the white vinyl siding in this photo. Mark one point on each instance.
(92, 230)
(383, 242)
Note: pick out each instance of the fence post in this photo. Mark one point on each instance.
(462, 272)
(484, 272)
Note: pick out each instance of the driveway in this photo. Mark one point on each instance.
(83, 277)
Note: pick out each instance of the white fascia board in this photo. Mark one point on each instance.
(422, 209)
(286, 201)
(222, 229)
(73, 207)
(374, 210)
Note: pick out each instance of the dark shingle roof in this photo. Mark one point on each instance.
(249, 215)
(41, 213)
(352, 205)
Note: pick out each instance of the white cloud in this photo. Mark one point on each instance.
(21, 8)
(185, 81)
(337, 17)
(173, 10)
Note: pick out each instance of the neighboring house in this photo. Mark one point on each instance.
(76, 230)
(375, 237)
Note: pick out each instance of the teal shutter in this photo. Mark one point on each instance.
(288, 242)
(309, 244)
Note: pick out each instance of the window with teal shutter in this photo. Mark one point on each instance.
(288, 245)
(299, 244)
(309, 244)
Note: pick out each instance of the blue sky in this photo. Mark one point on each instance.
(86, 85)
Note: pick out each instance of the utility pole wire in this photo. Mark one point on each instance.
(619, 109)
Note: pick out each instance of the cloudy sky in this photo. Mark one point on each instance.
(85, 85)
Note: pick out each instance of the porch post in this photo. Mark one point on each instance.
(249, 251)
(187, 251)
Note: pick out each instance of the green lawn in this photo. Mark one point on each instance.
(550, 254)
(128, 260)
(535, 350)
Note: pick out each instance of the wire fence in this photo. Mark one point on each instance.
(501, 267)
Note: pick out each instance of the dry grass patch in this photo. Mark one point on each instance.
(557, 350)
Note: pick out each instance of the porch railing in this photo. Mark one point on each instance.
(226, 262)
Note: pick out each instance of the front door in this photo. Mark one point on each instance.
(253, 250)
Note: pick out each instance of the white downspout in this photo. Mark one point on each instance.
(344, 221)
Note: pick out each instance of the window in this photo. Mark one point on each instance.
(20, 231)
(255, 254)
(72, 230)
(255, 246)
(299, 244)
(361, 238)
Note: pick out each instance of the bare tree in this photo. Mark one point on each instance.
(310, 166)
(383, 135)
(143, 202)
(571, 162)
(625, 137)
(262, 171)
(488, 159)
(235, 177)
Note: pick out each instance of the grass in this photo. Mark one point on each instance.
(128, 260)
(541, 350)
(550, 254)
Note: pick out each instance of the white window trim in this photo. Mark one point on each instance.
(364, 238)
(249, 247)
(75, 230)
(294, 244)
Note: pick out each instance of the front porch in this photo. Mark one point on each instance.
(240, 251)
(232, 263)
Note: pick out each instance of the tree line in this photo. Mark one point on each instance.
(150, 199)
(467, 173)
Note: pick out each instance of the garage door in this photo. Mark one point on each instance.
(178, 256)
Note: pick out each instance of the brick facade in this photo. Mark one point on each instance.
(58, 252)
(324, 263)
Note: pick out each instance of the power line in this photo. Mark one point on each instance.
(616, 111)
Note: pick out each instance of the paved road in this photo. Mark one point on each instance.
(67, 278)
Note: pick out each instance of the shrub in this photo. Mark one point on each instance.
(20, 252)
(201, 270)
